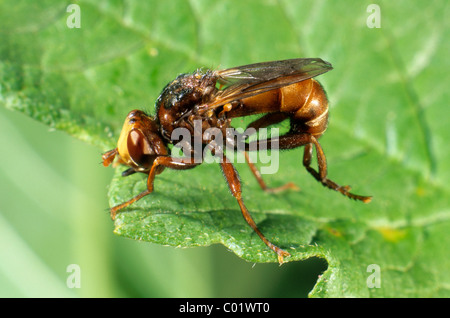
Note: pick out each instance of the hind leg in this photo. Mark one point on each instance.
(298, 139)
(321, 175)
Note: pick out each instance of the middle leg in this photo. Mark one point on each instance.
(262, 184)
(263, 122)
(234, 184)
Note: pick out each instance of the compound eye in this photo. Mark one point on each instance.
(139, 148)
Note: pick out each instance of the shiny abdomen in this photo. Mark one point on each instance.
(305, 103)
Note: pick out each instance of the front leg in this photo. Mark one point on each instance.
(158, 163)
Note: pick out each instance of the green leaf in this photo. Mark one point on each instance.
(387, 135)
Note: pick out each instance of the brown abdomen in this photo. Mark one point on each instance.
(304, 102)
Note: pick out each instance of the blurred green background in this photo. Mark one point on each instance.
(53, 198)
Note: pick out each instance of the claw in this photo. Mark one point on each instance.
(281, 253)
